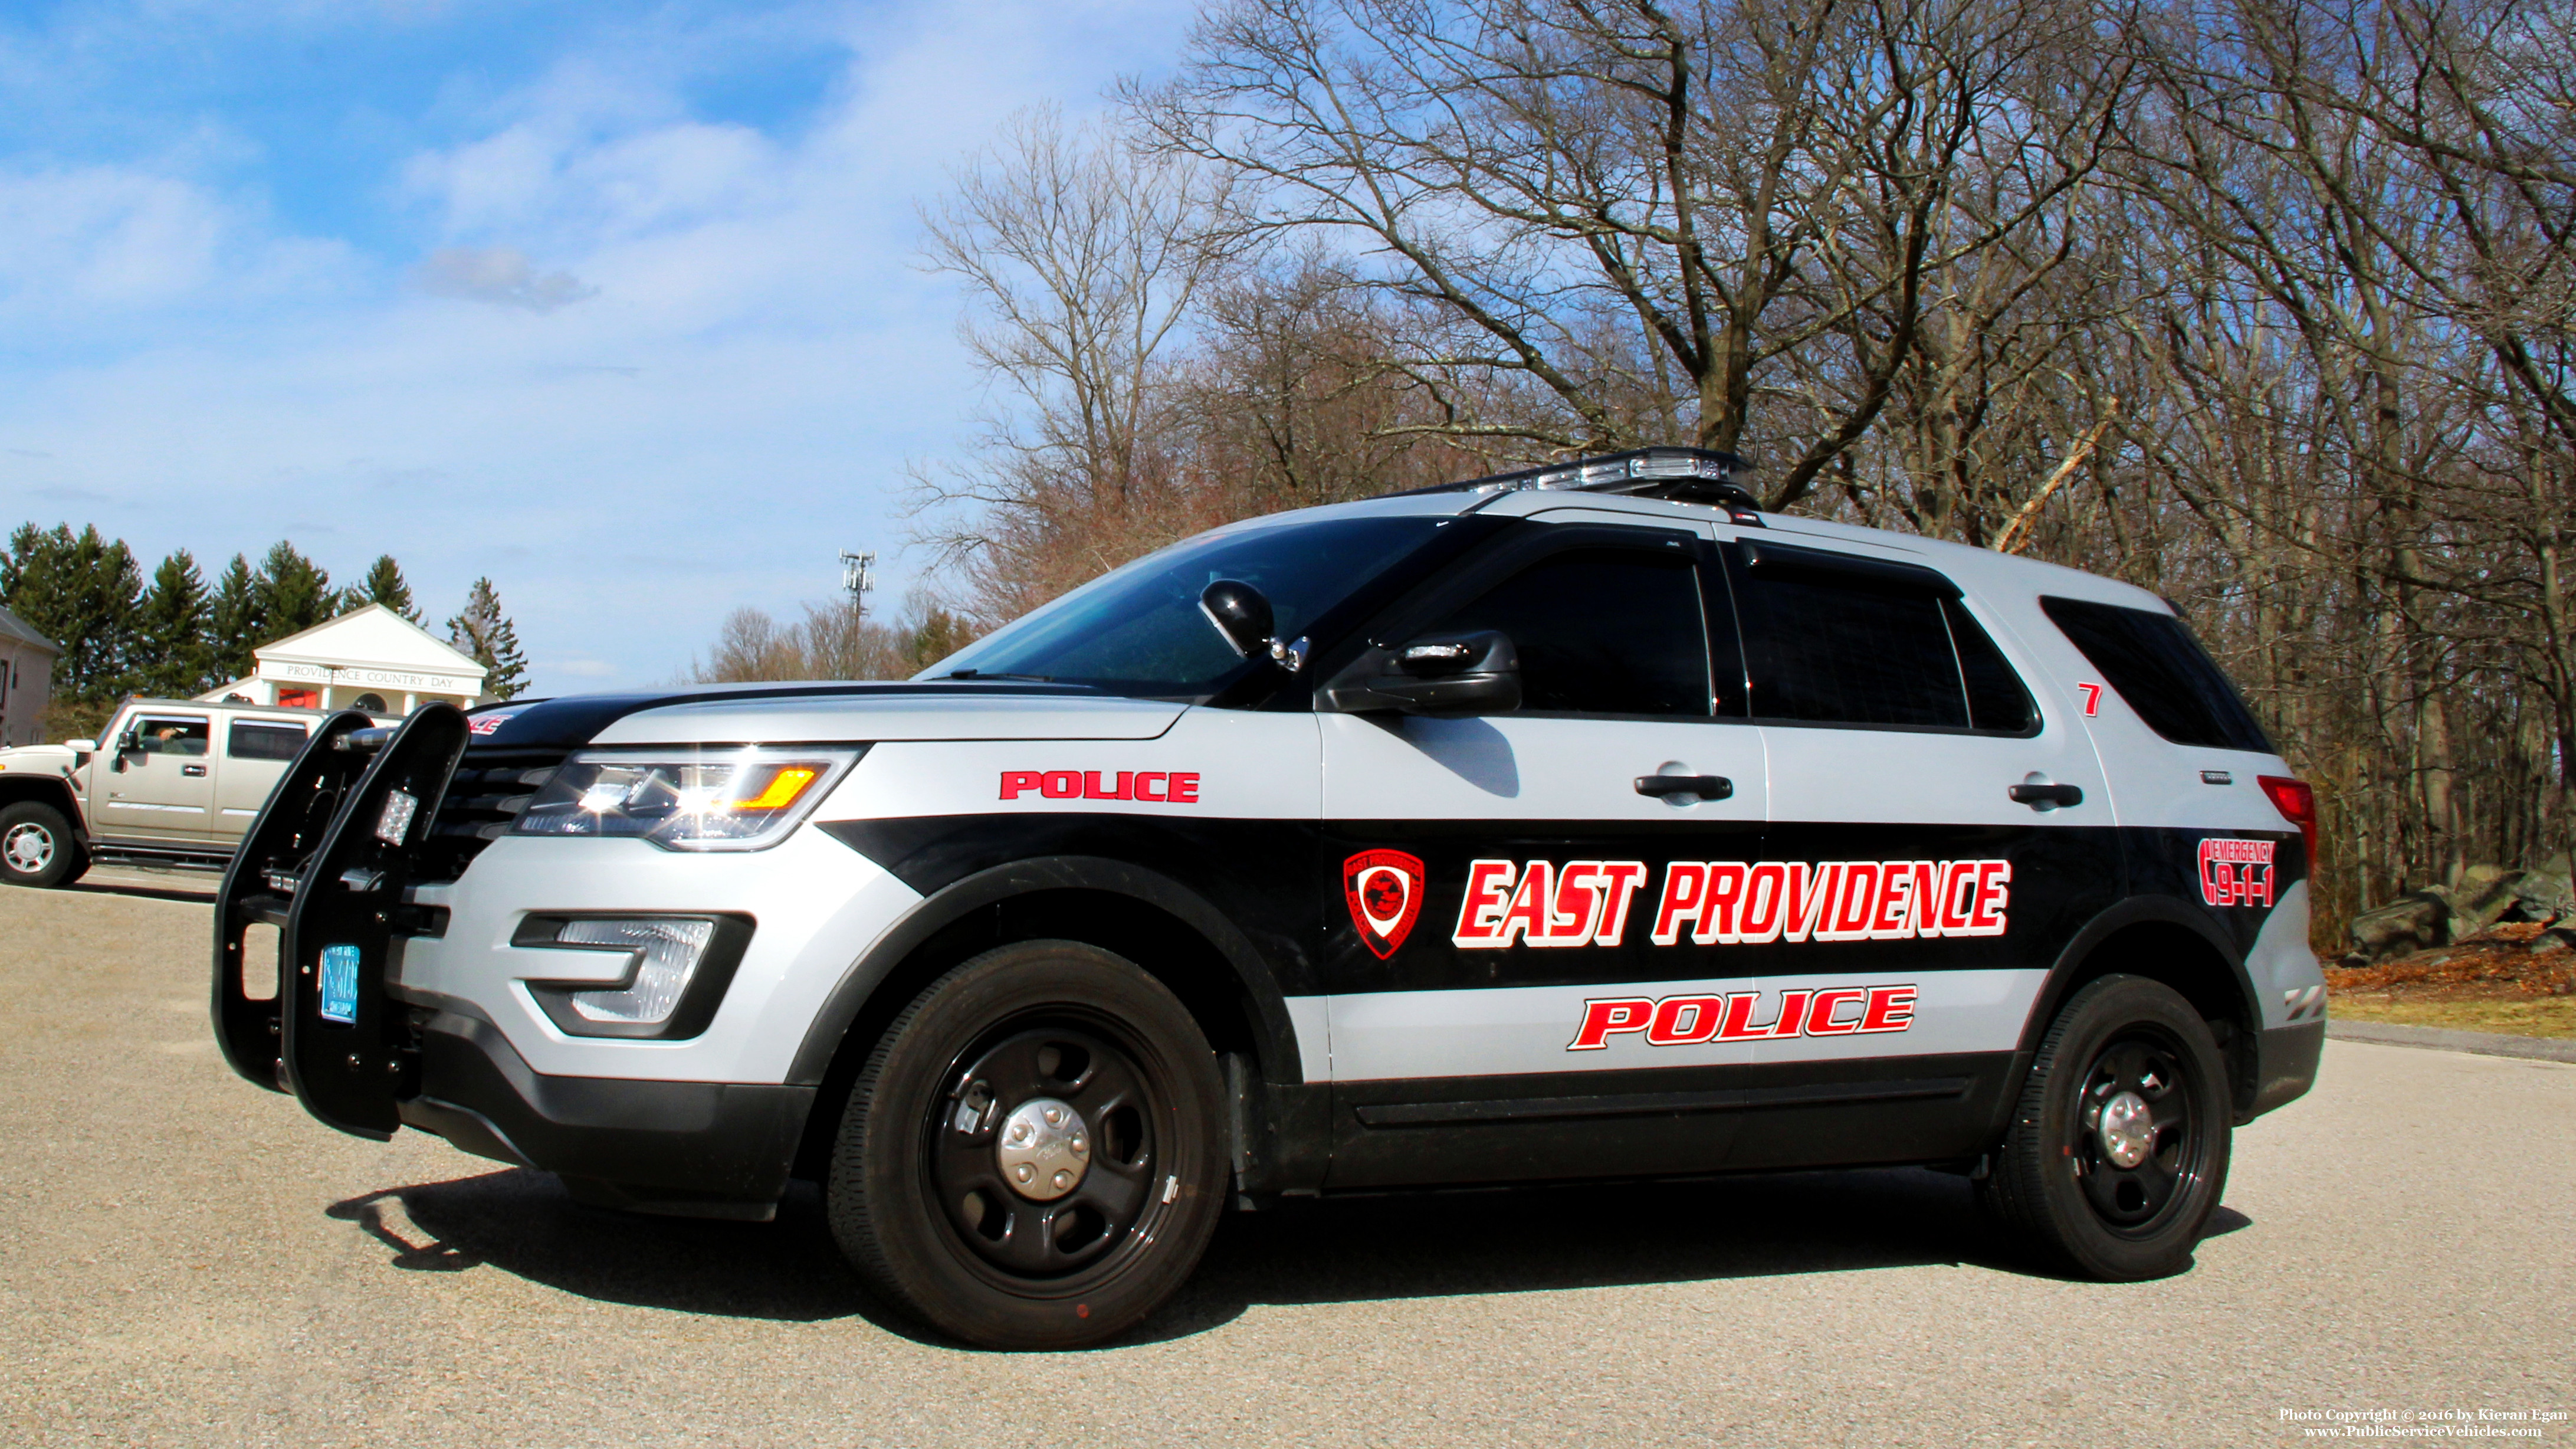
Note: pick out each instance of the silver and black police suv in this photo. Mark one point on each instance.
(1579, 823)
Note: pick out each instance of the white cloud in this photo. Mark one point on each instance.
(502, 275)
(752, 360)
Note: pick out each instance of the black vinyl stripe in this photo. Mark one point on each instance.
(1656, 1104)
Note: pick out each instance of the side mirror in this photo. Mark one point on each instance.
(1240, 613)
(1438, 674)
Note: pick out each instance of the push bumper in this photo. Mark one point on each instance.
(700, 1149)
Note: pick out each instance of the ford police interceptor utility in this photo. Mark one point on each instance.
(1577, 823)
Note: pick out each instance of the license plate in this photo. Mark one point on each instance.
(340, 984)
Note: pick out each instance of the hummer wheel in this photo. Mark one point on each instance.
(2118, 1151)
(37, 847)
(1030, 1159)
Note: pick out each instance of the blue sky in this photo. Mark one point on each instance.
(616, 303)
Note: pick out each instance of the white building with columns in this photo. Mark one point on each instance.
(372, 659)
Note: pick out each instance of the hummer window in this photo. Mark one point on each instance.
(1140, 630)
(155, 736)
(253, 740)
(1602, 631)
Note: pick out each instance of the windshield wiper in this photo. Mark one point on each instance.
(982, 674)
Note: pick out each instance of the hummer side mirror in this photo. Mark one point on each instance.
(1438, 674)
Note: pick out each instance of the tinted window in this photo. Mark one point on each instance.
(1996, 698)
(2155, 665)
(248, 740)
(1601, 631)
(1139, 629)
(1836, 653)
(171, 736)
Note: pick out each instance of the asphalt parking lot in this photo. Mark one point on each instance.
(186, 1260)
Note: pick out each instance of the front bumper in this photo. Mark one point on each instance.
(704, 1149)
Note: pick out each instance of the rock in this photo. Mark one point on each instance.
(2412, 922)
(2545, 894)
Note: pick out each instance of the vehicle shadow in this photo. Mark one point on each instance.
(1409, 1246)
(186, 895)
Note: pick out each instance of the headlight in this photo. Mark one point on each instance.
(744, 798)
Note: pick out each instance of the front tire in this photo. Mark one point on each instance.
(37, 847)
(2117, 1154)
(1031, 1157)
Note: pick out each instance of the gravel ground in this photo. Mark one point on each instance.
(186, 1260)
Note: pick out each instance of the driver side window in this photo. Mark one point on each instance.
(1602, 631)
(163, 736)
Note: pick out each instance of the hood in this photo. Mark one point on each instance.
(52, 759)
(821, 712)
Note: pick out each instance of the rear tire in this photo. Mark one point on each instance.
(2117, 1154)
(1031, 1158)
(37, 847)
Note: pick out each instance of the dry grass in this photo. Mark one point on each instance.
(2507, 979)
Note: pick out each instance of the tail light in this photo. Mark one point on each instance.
(2297, 802)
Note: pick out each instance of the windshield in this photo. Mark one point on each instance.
(1139, 629)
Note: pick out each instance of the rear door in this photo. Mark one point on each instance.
(1940, 832)
(1494, 964)
(256, 753)
(156, 780)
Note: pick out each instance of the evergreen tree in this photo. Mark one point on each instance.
(235, 625)
(79, 590)
(171, 654)
(294, 593)
(384, 584)
(485, 633)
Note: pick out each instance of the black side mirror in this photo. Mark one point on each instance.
(1438, 674)
(1240, 613)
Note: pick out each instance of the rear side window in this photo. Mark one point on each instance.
(1602, 631)
(251, 740)
(2155, 665)
(1847, 641)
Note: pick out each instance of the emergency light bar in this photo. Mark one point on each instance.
(1688, 475)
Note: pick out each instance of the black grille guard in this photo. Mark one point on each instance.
(319, 866)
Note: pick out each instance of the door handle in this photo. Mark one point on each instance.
(193, 772)
(1706, 787)
(2046, 797)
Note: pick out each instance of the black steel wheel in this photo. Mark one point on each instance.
(37, 847)
(2118, 1153)
(1030, 1158)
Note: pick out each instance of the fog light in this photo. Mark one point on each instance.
(675, 972)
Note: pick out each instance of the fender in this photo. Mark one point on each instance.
(2063, 973)
(1277, 1036)
(47, 790)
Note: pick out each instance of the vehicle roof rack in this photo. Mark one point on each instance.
(1685, 475)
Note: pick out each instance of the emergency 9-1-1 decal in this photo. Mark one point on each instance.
(1728, 902)
(2236, 872)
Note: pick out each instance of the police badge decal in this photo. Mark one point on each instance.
(1384, 889)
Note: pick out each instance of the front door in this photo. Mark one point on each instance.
(159, 780)
(1948, 833)
(1497, 967)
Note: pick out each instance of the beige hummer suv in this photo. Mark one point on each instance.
(170, 782)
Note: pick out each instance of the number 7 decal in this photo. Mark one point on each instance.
(2092, 699)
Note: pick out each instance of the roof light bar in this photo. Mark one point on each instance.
(1689, 475)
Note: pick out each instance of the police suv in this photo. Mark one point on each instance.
(1577, 823)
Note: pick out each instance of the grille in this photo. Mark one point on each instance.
(483, 801)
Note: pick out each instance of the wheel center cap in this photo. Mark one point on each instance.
(1044, 1148)
(2127, 1130)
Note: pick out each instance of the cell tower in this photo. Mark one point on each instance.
(858, 578)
